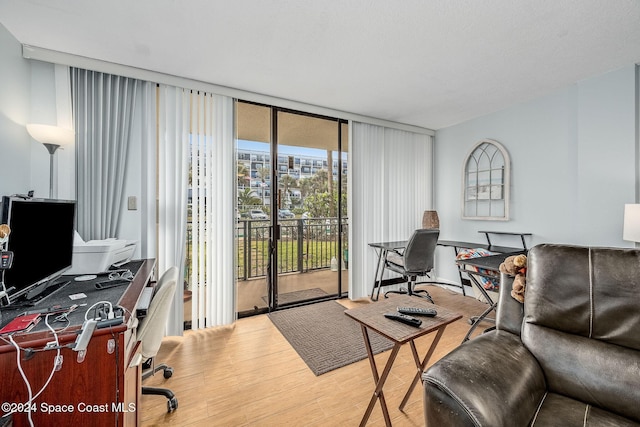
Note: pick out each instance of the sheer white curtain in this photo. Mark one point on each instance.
(195, 153)
(213, 179)
(390, 186)
(172, 173)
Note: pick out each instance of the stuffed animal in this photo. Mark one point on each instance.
(516, 265)
(4, 235)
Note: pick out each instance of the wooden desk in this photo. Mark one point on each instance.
(371, 317)
(99, 390)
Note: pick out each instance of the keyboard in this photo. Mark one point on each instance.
(144, 301)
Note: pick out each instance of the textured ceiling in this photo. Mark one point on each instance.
(431, 63)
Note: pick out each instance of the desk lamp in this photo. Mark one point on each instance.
(52, 137)
(631, 227)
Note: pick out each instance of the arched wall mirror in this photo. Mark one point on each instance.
(485, 181)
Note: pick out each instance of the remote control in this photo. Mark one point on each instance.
(415, 311)
(404, 319)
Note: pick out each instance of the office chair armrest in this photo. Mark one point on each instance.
(457, 392)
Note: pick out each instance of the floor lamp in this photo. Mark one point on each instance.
(52, 137)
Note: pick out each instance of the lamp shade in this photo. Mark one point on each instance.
(631, 228)
(430, 220)
(47, 134)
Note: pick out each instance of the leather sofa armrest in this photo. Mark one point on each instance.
(492, 380)
(510, 312)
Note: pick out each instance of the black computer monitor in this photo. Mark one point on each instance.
(41, 240)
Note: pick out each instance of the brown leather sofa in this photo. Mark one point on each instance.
(570, 356)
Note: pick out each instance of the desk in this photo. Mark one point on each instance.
(491, 266)
(383, 248)
(371, 316)
(101, 389)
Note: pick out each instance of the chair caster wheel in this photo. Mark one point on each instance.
(168, 373)
(172, 404)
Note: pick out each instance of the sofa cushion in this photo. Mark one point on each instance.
(589, 370)
(561, 411)
(592, 292)
(582, 323)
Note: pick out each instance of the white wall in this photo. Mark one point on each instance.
(14, 114)
(37, 92)
(573, 166)
(42, 109)
(29, 95)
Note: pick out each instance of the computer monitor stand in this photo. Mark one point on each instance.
(45, 290)
(38, 294)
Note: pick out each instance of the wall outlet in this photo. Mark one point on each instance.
(132, 203)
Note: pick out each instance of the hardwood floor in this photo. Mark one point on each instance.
(252, 293)
(248, 375)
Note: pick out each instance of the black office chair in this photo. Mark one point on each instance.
(418, 259)
(150, 334)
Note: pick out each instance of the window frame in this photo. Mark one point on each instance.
(502, 201)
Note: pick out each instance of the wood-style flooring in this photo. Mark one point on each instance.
(248, 375)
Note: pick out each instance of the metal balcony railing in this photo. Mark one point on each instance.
(304, 245)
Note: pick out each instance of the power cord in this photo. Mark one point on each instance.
(24, 378)
(102, 310)
(57, 365)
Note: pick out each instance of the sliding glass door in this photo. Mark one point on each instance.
(291, 217)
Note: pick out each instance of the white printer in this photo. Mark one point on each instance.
(96, 256)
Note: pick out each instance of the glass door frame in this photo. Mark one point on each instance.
(275, 228)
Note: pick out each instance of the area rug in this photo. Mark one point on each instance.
(301, 295)
(324, 337)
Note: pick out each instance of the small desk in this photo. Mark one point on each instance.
(102, 381)
(490, 264)
(372, 317)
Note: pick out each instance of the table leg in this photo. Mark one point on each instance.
(378, 379)
(481, 288)
(377, 282)
(420, 365)
(479, 319)
(492, 306)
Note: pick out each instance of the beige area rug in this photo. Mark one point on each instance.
(324, 337)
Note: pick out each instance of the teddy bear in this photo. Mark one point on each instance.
(516, 265)
(4, 234)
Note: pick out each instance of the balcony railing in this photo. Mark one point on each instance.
(304, 245)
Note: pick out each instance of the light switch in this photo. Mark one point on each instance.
(132, 203)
